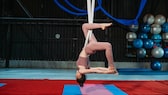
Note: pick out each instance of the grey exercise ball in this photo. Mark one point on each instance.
(130, 36)
(149, 19)
(157, 52)
(155, 29)
(160, 19)
(165, 37)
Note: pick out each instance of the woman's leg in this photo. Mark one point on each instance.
(98, 46)
(91, 26)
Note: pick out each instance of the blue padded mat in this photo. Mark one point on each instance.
(76, 90)
(2, 84)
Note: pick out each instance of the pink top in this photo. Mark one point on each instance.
(83, 61)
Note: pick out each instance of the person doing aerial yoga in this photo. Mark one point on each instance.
(91, 48)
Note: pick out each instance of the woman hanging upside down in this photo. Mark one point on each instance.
(93, 46)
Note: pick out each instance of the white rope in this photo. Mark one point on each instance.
(90, 9)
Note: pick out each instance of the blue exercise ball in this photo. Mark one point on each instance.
(156, 65)
(148, 43)
(137, 43)
(141, 53)
(156, 38)
(145, 28)
(142, 36)
(166, 52)
(157, 45)
(165, 27)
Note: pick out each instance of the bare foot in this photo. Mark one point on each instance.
(114, 71)
(104, 25)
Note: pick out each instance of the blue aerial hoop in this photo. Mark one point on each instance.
(74, 7)
(125, 21)
(81, 12)
(68, 11)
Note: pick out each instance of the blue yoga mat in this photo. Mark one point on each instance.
(90, 89)
(140, 71)
(71, 90)
(2, 84)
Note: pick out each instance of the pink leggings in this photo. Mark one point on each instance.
(94, 46)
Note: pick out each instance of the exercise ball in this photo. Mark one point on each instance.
(165, 37)
(156, 38)
(148, 43)
(160, 19)
(137, 43)
(130, 36)
(166, 52)
(149, 19)
(157, 45)
(165, 27)
(142, 36)
(155, 29)
(141, 53)
(156, 65)
(157, 52)
(133, 28)
(145, 28)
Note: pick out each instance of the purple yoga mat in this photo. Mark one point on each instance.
(94, 89)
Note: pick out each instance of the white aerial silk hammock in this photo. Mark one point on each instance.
(90, 10)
